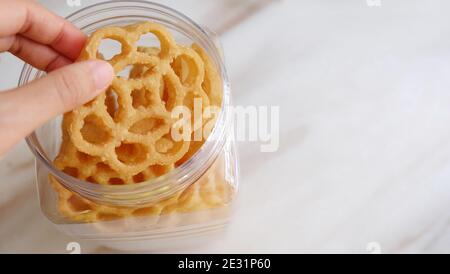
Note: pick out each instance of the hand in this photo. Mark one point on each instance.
(49, 43)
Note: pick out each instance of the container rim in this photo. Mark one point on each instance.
(180, 177)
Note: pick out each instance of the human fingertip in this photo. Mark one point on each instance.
(102, 73)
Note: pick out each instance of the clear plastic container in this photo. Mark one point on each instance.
(209, 177)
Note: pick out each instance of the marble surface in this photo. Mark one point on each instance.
(364, 157)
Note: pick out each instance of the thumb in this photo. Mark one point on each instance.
(28, 107)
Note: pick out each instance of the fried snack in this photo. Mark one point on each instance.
(124, 135)
(209, 192)
(211, 95)
(120, 137)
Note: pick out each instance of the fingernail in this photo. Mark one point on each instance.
(102, 73)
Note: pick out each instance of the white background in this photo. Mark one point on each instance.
(364, 96)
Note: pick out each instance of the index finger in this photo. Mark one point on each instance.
(31, 20)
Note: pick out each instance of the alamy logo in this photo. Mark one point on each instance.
(251, 124)
(74, 3)
(373, 3)
(73, 248)
(373, 248)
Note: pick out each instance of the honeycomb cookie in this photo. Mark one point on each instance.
(124, 136)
